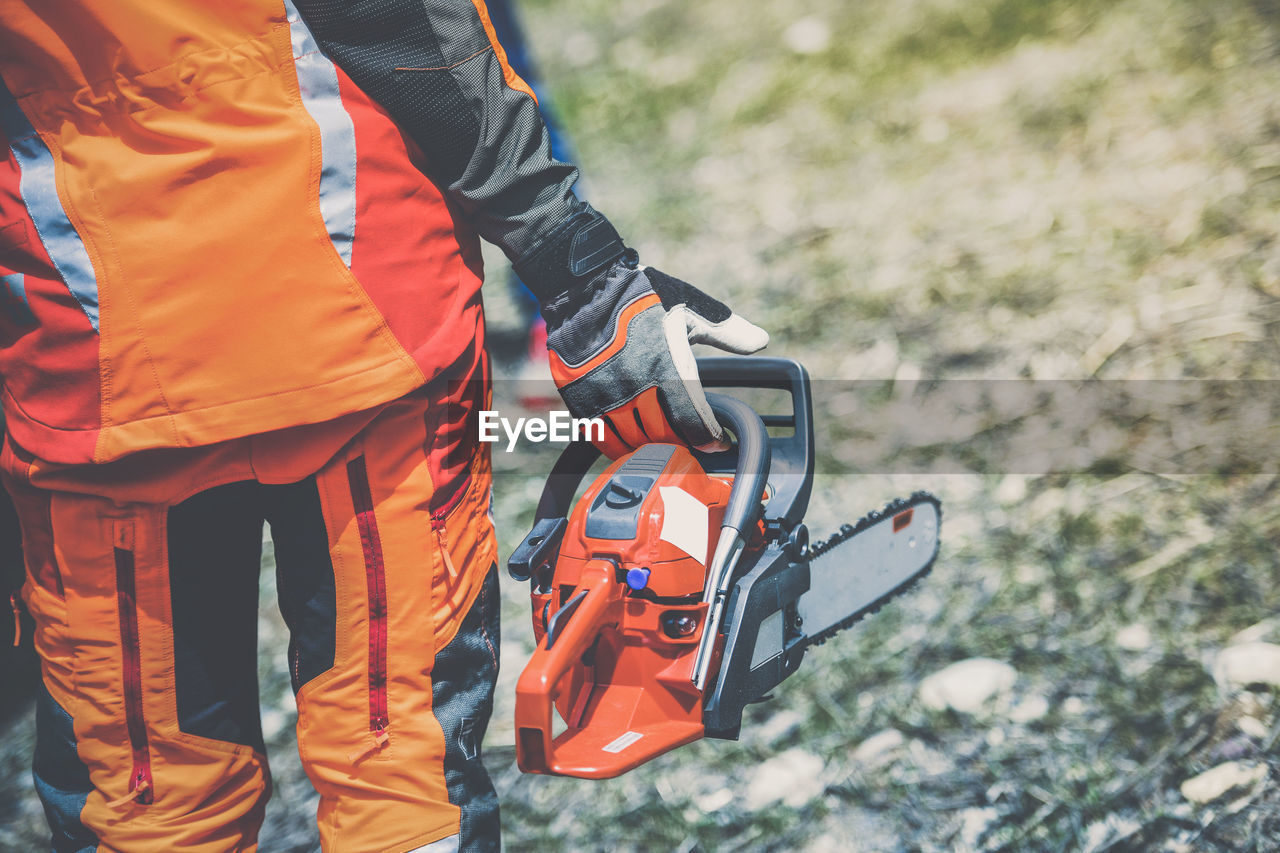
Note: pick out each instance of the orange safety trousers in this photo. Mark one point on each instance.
(143, 582)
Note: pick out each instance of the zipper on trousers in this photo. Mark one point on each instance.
(140, 783)
(376, 582)
(15, 602)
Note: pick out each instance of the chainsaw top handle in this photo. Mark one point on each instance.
(751, 466)
(788, 465)
(791, 445)
(751, 458)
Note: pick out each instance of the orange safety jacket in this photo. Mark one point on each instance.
(209, 231)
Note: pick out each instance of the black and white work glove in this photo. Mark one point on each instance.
(620, 334)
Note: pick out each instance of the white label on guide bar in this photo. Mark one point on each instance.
(620, 743)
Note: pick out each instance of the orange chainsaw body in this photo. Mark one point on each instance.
(618, 624)
(670, 596)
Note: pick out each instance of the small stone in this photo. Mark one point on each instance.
(1094, 834)
(1134, 638)
(1253, 727)
(808, 35)
(1073, 705)
(1247, 664)
(1222, 780)
(973, 824)
(714, 801)
(877, 750)
(969, 686)
(1029, 709)
(1257, 631)
(794, 777)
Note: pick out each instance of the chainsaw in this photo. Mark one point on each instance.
(671, 595)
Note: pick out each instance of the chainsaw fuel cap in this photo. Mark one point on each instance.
(618, 495)
(615, 512)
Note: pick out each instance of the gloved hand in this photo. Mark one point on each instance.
(619, 340)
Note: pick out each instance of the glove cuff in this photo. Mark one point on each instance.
(568, 258)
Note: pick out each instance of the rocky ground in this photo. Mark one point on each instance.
(922, 190)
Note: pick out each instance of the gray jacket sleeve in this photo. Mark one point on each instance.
(432, 66)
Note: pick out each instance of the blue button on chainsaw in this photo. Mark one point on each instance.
(637, 578)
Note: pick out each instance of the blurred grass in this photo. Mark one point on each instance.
(946, 189)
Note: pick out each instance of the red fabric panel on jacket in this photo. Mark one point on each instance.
(420, 267)
(65, 390)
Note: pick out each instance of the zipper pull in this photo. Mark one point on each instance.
(142, 792)
(139, 791)
(15, 601)
(444, 549)
(379, 740)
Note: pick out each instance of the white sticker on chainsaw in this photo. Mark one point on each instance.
(684, 522)
(622, 742)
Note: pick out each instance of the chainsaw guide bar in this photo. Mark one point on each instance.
(892, 510)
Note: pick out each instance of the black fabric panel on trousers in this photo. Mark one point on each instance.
(19, 667)
(305, 583)
(61, 778)
(215, 556)
(462, 682)
(430, 64)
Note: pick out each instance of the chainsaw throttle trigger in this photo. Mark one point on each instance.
(561, 618)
